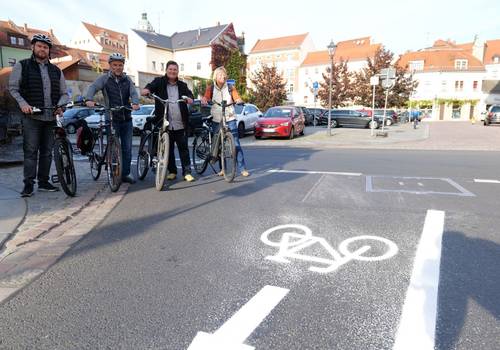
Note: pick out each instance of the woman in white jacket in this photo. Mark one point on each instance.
(218, 92)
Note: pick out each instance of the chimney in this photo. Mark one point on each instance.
(51, 32)
(478, 48)
(26, 27)
(218, 23)
(199, 33)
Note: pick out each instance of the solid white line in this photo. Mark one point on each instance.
(487, 181)
(313, 172)
(245, 320)
(418, 320)
(313, 188)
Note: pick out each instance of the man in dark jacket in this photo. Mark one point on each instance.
(169, 87)
(35, 82)
(118, 89)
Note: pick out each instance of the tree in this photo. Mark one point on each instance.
(220, 56)
(235, 67)
(398, 95)
(269, 88)
(341, 86)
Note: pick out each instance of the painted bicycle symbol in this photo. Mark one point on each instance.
(295, 238)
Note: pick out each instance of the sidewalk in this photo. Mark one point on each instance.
(452, 136)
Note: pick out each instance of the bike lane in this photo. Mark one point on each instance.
(196, 264)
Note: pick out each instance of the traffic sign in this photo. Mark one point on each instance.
(315, 85)
(231, 81)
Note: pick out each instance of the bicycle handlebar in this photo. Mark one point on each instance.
(156, 97)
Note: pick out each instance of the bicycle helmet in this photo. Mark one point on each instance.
(42, 38)
(116, 57)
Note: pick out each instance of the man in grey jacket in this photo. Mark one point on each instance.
(118, 89)
(35, 82)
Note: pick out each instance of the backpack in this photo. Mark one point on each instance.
(84, 138)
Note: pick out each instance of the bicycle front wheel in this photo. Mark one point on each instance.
(114, 163)
(201, 152)
(161, 166)
(228, 151)
(143, 156)
(63, 159)
(95, 159)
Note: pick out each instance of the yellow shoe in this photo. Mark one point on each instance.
(245, 173)
(171, 176)
(221, 173)
(189, 178)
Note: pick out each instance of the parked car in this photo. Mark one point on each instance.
(493, 116)
(72, 116)
(139, 117)
(309, 117)
(391, 116)
(246, 116)
(281, 121)
(347, 117)
(196, 113)
(316, 112)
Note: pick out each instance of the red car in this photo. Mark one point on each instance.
(282, 121)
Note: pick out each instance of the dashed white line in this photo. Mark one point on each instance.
(487, 181)
(313, 172)
(418, 320)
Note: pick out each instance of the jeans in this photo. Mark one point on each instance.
(240, 158)
(124, 131)
(179, 137)
(38, 140)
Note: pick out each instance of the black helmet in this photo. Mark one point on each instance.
(42, 38)
(116, 57)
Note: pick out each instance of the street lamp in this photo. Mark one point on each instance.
(331, 51)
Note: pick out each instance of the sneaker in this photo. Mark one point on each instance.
(27, 190)
(189, 178)
(47, 187)
(171, 176)
(220, 173)
(245, 173)
(129, 179)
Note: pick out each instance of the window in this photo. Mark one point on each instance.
(13, 40)
(496, 59)
(290, 89)
(305, 99)
(182, 67)
(475, 84)
(154, 65)
(416, 65)
(289, 57)
(459, 85)
(461, 64)
(307, 71)
(443, 85)
(20, 41)
(198, 66)
(162, 66)
(316, 70)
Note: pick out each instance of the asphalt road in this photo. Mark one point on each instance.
(194, 258)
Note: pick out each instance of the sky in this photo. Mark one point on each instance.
(399, 25)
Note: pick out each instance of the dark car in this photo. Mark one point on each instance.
(72, 116)
(316, 112)
(493, 116)
(347, 117)
(391, 116)
(196, 112)
(309, 117)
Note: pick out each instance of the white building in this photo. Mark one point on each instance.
(93, 38)
(192, 50)
(355, 52)
(459, 80)
(287, 54)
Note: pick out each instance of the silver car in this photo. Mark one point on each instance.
(139, 117)
(493, 116)
(246, 116)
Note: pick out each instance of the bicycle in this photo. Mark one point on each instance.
(221, 147)
(109, 155)
(146, 158)
(202, 146)
(63, 155)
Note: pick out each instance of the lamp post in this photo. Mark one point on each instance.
(331, 51)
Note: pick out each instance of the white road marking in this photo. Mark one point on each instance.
(233, 333)
(292, 242)
(401, 183)
(487, 181)
(313, 172)
(418, 320)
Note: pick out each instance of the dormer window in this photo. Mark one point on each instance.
(461, 64)
(496, 59)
